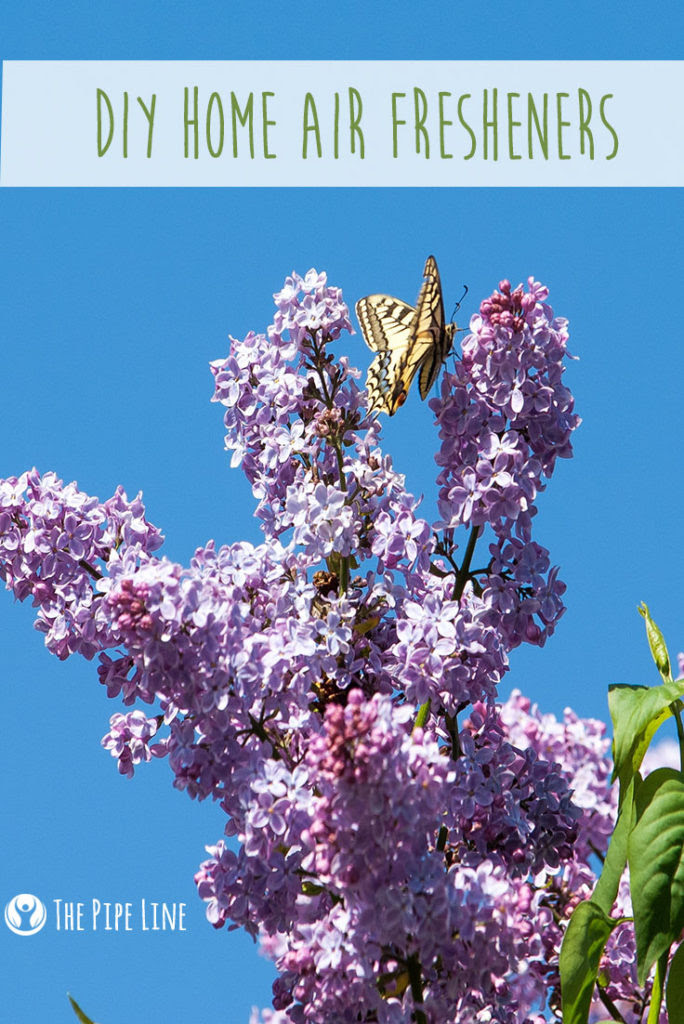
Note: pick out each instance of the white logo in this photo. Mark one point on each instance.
(25, 914)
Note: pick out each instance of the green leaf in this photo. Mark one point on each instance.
(79, 1012)
(583, 944)
(637, 713)
(607, 886)
(655, 851)
(674, 994)
(656, 641)
(423, 715)
(657, 990)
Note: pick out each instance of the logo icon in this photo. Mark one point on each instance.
(25, 914)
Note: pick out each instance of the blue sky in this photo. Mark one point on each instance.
(112, 303)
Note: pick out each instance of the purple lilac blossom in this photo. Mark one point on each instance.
(504, 417)
(127, 740)
(398, 872)
(580, 749)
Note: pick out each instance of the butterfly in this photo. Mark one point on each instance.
(407, 339)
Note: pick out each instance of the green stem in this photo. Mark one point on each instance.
(464, 571)
(344, 560)
(597, 853)
(422, 716)
(610, 1005)
(658, 988)
(328, 397)
(452, 728)
(95, 573)
(459, 586)
(344, 575)
(676, 711)
(416, 982)
(319, 364)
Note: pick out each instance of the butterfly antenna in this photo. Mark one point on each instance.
(458, 304)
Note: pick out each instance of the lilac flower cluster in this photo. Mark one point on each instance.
(443, 648)
(273, 417)
(580, 749)
(397, 864)
(128, 740)
(384, 917)
(55, 545)
(504, 418)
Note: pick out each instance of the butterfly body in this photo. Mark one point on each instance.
(407, 340)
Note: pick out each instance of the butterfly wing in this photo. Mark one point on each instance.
(406, 340)
(433, 338)
(387, 327)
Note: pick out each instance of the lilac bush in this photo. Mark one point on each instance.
(397, 863)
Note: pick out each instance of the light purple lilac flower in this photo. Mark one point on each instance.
(409, 874)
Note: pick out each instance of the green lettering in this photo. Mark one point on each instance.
(310, 111)
(149, 114)
(609, 126)
(267, 124)
(462, 121)
(584, 119)
(191, 121)
(244, 118)
(215, 100)
(336, 127)
(102, 148)
(442, 125)
(420, 100)
(125, 126)
(560, 96)
(493, 124)
(512, 124)
(542, 132)
(396, 122)
(355, 112)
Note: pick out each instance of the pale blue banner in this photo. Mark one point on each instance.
(342, 123)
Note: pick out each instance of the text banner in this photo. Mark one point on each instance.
(342, 123)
